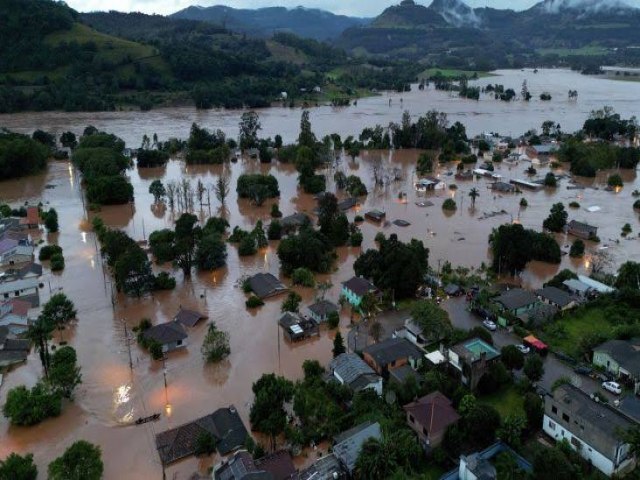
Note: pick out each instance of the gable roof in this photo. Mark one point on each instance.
(278, 464)
(165, 333)
(224, 424)
(351, 368)
(359, 285)
(238, 467)
(555, 295)
(188, 318)
(348, 444)
(582, 227)
(266, 285)
(391, 350)
(625, 353)
(322, 308)
(433, 412)
(516, 298)
(32, 218)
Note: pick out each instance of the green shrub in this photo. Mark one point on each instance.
(49, 251)
(360, 218)
(164, 281)
(254, 302)
(303, 276)
(614, 180)
(523, 202)
(577, 249)
(333, 320)
(574, 205)
(247, 246)
(449, 205)
(274, 232)
(57, 262)
(275, 211)
(355, 240)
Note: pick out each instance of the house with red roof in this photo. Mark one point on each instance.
(429, 417)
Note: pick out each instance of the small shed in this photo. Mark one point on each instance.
(266, 285)
(170, 335)
(320, 311)
(582, 230)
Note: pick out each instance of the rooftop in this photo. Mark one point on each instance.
(391, 350)
(166, 333)
(584, 227)
(359, 285)
(325, 468)
(278, 464)
(266, 285)
(188, 318)
(350, 367)
(625, 352)
(322, 308)
(555, 295)
(348, 444)
(605, 421)
(224, 424)
(516, 298)
(433, 412)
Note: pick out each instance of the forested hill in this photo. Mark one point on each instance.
(52, 57)
(264, 22)
(448, 33)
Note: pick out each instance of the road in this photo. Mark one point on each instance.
(553, 367)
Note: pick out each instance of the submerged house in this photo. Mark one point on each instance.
(266, 285)
(320, 311)
(188, 318)
(582, 230)
(356, 288)
(171, 335)
(296, 327)
(12, 350)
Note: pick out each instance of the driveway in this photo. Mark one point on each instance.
(553, 367)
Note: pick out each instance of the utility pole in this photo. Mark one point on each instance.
(126, 334)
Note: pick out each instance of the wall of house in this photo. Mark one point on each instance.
(602, 359)
(601, 462)
(168, 347)
(351, 297)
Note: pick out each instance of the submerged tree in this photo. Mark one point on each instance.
(215, 346)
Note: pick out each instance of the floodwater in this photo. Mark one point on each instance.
(112, 394)
(485, 115)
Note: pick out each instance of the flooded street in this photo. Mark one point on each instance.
(112, 394)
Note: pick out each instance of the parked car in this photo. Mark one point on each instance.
(489, 325)
(483, 313)
(523, 349)
(583, 370)
(613, 387)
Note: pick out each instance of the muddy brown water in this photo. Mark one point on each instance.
(112, 395)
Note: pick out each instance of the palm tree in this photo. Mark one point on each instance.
(473, 193)
(39, 333)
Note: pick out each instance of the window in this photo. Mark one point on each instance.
(552, 425)
(411, 419)
(424, 431)
(565, 417)
(393, 363)
(179, 342)
(576, 443)
(554, 409)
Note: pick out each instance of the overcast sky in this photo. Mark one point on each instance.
(363, 8)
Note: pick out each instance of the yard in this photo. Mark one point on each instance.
(567, 334)
(507, 401)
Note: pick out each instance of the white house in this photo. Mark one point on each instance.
(591, 428)
(19, 288)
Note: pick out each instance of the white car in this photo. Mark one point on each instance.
(612, 387)
(523, 349)
(489, 325)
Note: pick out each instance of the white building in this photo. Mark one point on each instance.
(591, 428)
